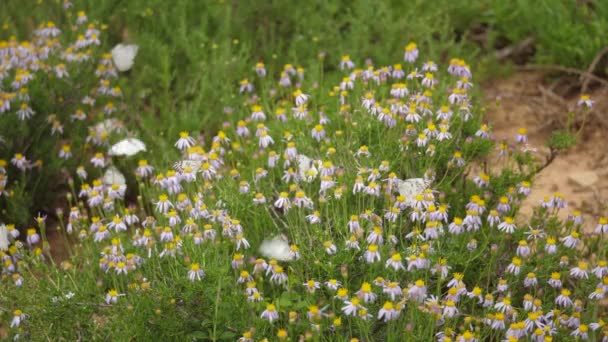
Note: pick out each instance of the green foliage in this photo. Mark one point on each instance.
(561, 140)
(567, 32)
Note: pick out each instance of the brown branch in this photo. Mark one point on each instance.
(553, 154)
(591, 68)
(536, 67)
(552, 95)
(506, 52)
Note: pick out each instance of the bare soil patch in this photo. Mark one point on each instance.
(532, 100)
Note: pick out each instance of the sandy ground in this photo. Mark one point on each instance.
(526, 99)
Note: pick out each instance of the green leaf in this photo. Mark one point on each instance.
(561, 140)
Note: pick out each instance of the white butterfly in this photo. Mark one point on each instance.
(306, 168)
(412, 186)
(114, 176)
(181, 165)
(123, 56)
(277, 248)
(127, 147)
(3, 238)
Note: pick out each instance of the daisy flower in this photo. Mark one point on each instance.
(411, 52)
(318, 133)
(395, 262)
(515, 266)
(602, 225)
(346, 63)
(585, 101)
(18, 317)
(418, 291)
(245, 86)
(265, 140)
(333, 284)
(237, 261)
(363, 152)
(507, 226)
(388, 312)
(245, 277)
(530, 280)
(278, 276)
(366, 293)
(523, 250)
(522, 136)
(449, 309)
(185, 141)
(330, 248)
(241, 241)
(482, 180)
(311, 286)
(283, 201)
(601, 269)
(260, 69)
(352, 306)
(582, 332)
(32, 237)
(580, 271)
(572, 240)
(300, 98)
(564, 299)
(271, 314)
(504, 305)
(112, 296)
(456, 227)
(550, 245)
(598, 294)
(372, 255)
(314, 313)
(353, 243)
(429, 80)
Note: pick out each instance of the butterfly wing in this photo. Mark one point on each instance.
(411, 187)
(276, 248)
(137, 144)
(181, 165)
(114, 176)
(4, 243)
(305, 164)
(123, 56)
(127, 147)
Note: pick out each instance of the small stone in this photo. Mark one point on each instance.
(583, 178)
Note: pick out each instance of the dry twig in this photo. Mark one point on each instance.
(506, 52)
(562, 69)
(584, 78)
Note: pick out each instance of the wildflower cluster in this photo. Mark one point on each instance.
(60, 108)
(370, 220)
